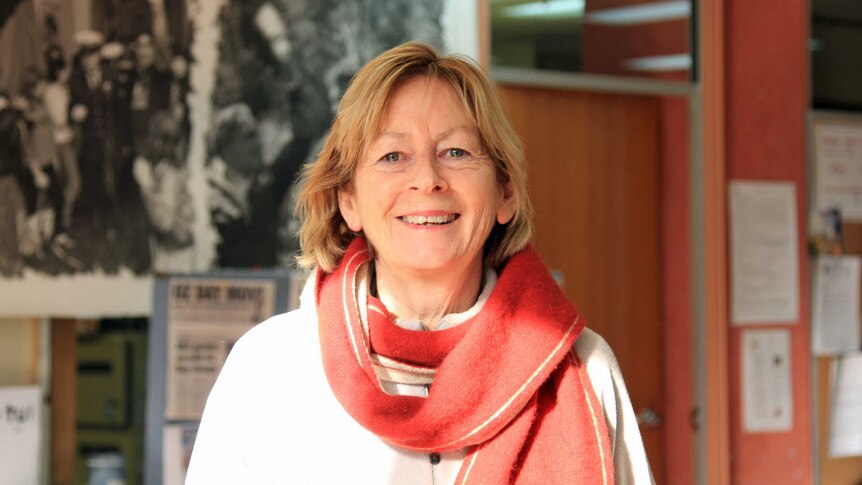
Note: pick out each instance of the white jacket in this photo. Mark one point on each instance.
(272, 418)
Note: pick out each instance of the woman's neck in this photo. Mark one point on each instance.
(425, 297)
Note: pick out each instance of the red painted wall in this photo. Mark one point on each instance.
(676, 291)
(766, 99)
(765, 92)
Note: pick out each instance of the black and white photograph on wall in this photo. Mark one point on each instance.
(88, 115)
(167, 136)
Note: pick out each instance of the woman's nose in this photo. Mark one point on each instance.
(427, 176)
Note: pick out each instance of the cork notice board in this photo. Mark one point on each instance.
(836, 145)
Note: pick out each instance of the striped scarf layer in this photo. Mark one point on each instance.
(511, 389)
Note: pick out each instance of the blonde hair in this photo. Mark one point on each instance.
(324, 235)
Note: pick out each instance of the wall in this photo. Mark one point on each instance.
(765, 105)
(676, 290)
(19, 348)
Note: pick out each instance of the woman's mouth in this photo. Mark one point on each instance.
(430, 220)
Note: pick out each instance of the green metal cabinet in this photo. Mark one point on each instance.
(111, 395)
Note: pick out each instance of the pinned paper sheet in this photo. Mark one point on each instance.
(838, 167)
(835, 320)
(764, 252)
(20, 435)
(845, 434)
(767, 394)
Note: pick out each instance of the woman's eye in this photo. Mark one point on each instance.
(391, 157)
(455, 153)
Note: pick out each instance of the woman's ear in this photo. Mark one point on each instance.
(348, 208)
(508, 203)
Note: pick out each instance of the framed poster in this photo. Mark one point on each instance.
(196, 320)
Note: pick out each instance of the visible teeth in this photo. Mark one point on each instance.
(429, 219)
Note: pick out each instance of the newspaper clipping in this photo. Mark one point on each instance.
(205, 318)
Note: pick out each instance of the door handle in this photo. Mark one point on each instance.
(649, 418)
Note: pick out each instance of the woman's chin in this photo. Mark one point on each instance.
(429, 260)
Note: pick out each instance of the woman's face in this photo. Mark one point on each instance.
(425, 194)
(145, 52)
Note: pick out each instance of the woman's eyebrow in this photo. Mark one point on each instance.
(390, 134)
(469, 129)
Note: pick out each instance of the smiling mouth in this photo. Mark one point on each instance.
(430, 220)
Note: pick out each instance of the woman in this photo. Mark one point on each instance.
(432, 345)
(162, 178)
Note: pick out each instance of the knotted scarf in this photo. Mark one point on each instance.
(508, 385)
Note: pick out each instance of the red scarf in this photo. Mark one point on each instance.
(509, 385)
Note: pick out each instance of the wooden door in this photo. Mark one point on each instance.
(594, 178)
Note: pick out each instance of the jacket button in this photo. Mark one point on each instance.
(435, 458)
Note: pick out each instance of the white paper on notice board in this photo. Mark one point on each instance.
(764, 252)
(845, 430)
(767, 393)
(835, 315)
(20, 435)
(838, 167)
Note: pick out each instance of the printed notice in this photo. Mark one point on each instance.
(764, 252)
(205, 318)
(845, 433)
(20, 435)
(838, 167)
(835, 320)
(767, 393)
